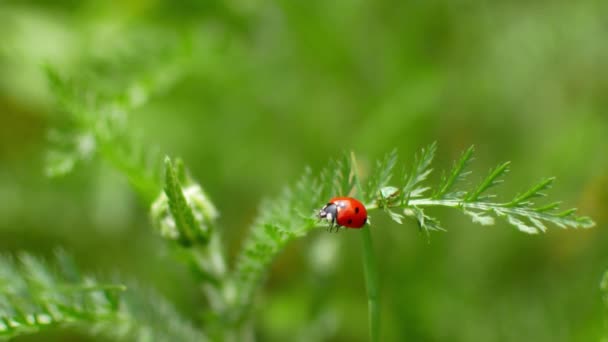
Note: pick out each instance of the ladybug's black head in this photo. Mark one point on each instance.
(329, 212)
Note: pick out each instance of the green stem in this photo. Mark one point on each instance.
(371, 283)
(369, 266)
(499, 208)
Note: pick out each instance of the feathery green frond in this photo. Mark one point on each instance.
(150, 317)
(380, 176)
(425, 222)
(519, 212)
(456, 175)
(37, 296)
(534, 191)
(491, 180)
(420, 171)
(289, 216)
(98, 101)
(34, 297)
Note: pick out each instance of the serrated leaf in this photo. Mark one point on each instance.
(425, 222)
(420, 171)
(521, 225)
(395, 216)
(484, 220)
(585, 222)
(491, 180)
(456, 174)
(538, 224)
(342, 176)
(534, 191)
(381, 175)
(40, 297)
(566, 213)
(418, 192)
(548, 207)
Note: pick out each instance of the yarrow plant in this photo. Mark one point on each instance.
(95, 123)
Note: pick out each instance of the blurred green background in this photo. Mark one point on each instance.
(274, 86)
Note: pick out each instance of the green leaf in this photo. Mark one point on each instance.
(493, 179)
(34, 296)
(420, 171)
(342, 176)
(186, 224)
(394, 216)
(481, 218)
(290, 215)
(521, 225)
(425, 222)
(548, 207)
(148, 316)
(534, 191)
(456, 174)
(519, 212)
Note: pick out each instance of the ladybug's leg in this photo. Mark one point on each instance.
(334, 225)
(330, 213)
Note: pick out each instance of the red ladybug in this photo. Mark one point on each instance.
(344, 212)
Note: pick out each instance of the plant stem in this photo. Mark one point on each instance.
(500, 208)
(371, 283)
(369, 266)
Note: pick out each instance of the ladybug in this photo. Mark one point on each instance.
(344, 212)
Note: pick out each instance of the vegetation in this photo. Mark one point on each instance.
(250, 95)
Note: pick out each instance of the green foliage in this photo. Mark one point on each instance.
(188, 229)
(150, 317)
(35, 297)
(457, 174)
(520, 212)
(184, 215)
(307, 73)
(381, 175)
(420, 172)
(100, 97)
(98, 105)
(280, 221)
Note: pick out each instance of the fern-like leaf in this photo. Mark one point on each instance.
(98, 101)
(420, 172)
(520, 212)
(456, 175)
(281, 220)
(493, 179)
(37, 296)
(380, 176)
(535, 191)
(150, 317)
(34, 297)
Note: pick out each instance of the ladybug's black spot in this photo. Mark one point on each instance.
(350, 221)
(356, 210)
